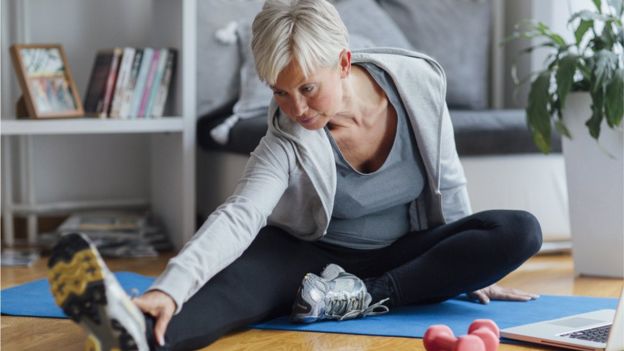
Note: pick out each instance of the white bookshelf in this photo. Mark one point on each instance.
(91, 126)
(171, 140)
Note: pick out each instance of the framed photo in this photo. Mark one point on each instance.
(48, 88)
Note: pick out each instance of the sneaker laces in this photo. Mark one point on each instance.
(343, 306)
(369, 311)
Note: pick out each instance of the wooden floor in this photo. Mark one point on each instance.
(551, 274)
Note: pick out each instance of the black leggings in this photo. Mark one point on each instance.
(426, 266)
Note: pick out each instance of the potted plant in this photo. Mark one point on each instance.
(580, 91)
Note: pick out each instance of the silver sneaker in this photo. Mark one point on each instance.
(91, 296)
(335, 295)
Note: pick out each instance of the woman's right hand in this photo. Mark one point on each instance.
(160, 306)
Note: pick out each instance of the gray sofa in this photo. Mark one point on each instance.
(454, 32)
(492, 143)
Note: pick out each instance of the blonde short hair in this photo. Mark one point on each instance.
(308, 31)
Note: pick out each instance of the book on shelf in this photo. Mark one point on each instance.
(128, 83)
(94, 98)
(122, 81)
(126, 100)
(110, 83)
(162, 61)
(148, 83)
(148, 53)
(165, 83)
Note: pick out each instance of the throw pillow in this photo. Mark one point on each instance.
(218, 63)
(457, 34)
(365, 18)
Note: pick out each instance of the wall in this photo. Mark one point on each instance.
(555, 14)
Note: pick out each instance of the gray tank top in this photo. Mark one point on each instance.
(371, 210)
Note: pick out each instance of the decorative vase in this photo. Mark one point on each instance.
(595, 178)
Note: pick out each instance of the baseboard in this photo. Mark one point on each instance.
(555, 247)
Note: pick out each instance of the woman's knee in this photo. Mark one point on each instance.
(525, 230)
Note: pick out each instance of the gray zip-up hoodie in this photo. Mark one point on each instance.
(290, 179)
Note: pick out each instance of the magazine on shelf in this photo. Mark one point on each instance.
(104, 221)
(18, 257)
(115, 233)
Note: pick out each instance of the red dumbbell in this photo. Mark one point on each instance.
(440, 338)
(487, 331)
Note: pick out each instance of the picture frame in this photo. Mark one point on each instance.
(48, 88)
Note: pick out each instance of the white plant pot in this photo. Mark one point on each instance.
(595, 178)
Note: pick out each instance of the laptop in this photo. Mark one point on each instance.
(597, 330)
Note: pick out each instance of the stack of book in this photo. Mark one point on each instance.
(115, 234)
(128, 83)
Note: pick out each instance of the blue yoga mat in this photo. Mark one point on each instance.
(35, 300)
(457, 313)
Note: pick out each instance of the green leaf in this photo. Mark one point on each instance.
(608, 36)
(614, 99)
(618, 5)
(586, 15)
(582, 29)
(544, 30)
(558, 39)
(586, 69)
(534, 47)
(555, 107)
(565, 75)
(562, 128)
(604, 67)
(538, 116)
(596, 118)
(598, 4)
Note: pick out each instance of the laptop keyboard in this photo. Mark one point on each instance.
(598, 334)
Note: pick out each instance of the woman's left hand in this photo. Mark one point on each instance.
(497, 292)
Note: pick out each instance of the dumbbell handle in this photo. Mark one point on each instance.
(444, 343)
(484, 323)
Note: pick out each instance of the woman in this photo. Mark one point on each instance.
(357, 170)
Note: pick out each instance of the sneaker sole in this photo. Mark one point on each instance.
(76, 279)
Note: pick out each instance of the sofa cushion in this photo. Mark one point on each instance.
(254, 96)
(244, 135)
(457, 34)
(477, 133)
(494, 132)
